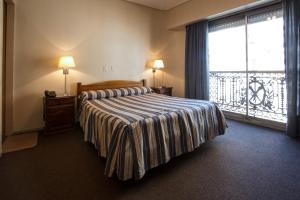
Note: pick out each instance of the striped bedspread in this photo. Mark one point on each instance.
(139, 132)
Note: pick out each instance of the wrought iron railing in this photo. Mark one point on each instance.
(262, 96)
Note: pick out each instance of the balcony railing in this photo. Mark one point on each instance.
(262, 96)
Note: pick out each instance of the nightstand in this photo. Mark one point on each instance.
(59, 114)
(163, 90)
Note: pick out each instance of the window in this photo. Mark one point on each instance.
(246, 61)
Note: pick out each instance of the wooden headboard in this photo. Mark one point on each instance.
(109, 85)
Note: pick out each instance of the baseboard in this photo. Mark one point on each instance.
(26, 131)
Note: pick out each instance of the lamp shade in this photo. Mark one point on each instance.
(66, 62)
(158, 64)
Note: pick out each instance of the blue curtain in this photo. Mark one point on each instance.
(196, 61)
(291, 9)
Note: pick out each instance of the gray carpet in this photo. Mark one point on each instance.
(247, 163)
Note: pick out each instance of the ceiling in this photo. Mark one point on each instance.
(159, 4)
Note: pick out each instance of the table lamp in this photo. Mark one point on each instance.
(158, 64)
(65, 63)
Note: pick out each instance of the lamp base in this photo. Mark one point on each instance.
(65, 93)
(65, 71)
(153, 71)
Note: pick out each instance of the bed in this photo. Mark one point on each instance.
(137, 130)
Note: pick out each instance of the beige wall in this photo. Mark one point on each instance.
(98, 33)
(175, 21)
(195, 10)
(1, 61)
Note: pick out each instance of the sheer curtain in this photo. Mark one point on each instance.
(196, 58)
(291, 9)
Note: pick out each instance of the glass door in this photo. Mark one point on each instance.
(266, 69)
(227, 63)
(246, 60)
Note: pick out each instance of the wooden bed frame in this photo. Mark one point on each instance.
(109, 85)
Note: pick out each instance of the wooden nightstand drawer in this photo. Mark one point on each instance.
(59, 101)
(59, 113)
(163, 90)
(52, 128)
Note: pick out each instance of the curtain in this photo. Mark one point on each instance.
(291, 9)
(196, 61)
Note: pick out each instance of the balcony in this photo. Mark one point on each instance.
(262, 97)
